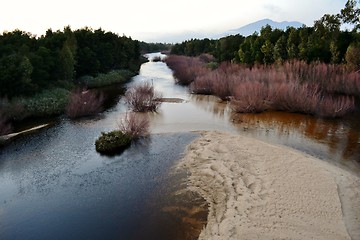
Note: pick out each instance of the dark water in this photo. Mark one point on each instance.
(54, 185)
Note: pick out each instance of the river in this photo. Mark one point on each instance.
(54, 185)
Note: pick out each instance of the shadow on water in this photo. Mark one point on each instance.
(55, 186)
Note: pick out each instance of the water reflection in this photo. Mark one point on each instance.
(55, 186)
(333, 140)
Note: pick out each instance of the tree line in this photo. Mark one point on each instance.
(29, 64)
(324, 42)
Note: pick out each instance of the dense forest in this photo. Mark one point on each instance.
(29, 64)
(324, 42)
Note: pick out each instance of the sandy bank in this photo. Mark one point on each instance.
(12, 135)
(260, 191)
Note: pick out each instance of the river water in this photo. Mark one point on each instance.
(54, 185)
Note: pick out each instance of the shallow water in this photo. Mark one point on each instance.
(53, 184)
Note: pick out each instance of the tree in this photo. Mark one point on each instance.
(350, 14)
(280, 51)
(335, 53)
(267, 49)
(353, 57)
(293, 42)
(67, 63)
(15, 76)
(245, 52)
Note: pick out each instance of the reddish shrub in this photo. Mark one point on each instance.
(332, 107)
(294, 97)
(185, 69)
(143, 98)
(84, 103)
(135, 124)
(294, 86)
(250, 97)
(206, 58)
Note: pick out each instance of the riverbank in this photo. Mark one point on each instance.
(260, 191)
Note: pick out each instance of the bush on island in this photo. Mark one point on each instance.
(112, 142)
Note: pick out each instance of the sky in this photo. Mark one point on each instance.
(157, 20)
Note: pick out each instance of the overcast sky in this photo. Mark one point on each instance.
(157, 19)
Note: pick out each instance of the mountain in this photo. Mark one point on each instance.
(256, 27)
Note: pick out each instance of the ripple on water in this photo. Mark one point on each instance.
(55, 186)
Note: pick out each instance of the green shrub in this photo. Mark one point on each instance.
(112, 142)
(46, 103)
(212, 65)
(112, 77)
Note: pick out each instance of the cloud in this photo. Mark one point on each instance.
(273, 9)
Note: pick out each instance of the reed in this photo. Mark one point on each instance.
(135, 125)
(84, 102)
(143, 98)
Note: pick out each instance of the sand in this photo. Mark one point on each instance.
(260, 191)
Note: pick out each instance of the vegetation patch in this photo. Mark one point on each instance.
(102, 79)
(143, 98)
(47, 103)
(84, 103)
(133, 126)
(156, 59)
(112, 142)
(325, 90)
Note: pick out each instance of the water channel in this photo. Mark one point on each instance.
(54, 185)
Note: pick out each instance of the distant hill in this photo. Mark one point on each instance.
(249, 29)
(245, 31)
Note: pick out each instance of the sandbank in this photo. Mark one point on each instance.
(260, 191)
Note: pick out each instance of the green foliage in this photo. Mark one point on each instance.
(112, 142)
(324, 42)
(154, 47)
(48, 102)
(350, 14)
(280, 51)
(112, 77)
(28, 64)
(15, 72)
(212, 65)
(353, 57)
(267, 49)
